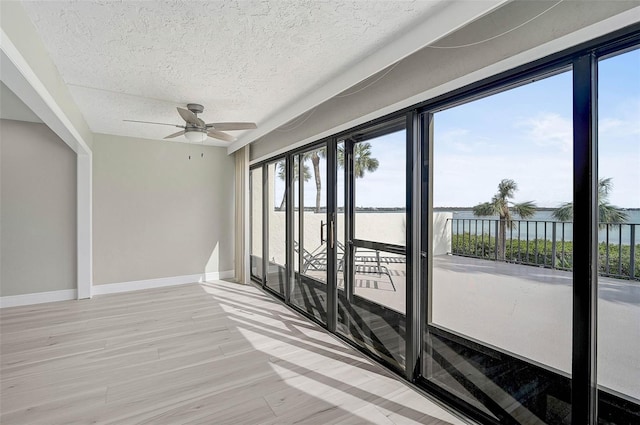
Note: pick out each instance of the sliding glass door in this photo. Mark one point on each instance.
(498, 331)
(443, 240)
(256, 218)
(618, 372)
(311, 232)
(372, 268)
(276, 220)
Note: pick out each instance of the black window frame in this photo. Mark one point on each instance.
(583, 59)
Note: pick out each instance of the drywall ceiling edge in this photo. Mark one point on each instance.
(455, 15)
(22, 80)
(624, 19)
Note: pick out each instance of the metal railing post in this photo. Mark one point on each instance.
(632, 251)
(553, 245)
(620, 250)
(607, 251)
(495, 252)
(470, 242)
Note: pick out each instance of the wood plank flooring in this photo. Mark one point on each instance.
(211, 353)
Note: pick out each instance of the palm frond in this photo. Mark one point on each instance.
(524, 209)
(485, 209)
(507, 188)
(608, 213)
(564, 212)
(372, 165)
(306, 171)
(605, 185)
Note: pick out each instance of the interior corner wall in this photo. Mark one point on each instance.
(157, 213)
(431, 72)
(20, 30)
(37, 210)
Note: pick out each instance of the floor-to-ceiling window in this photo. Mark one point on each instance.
(498, 331)
(255, 212)
(276, 206)
(312, 232)
(619, 235)
(372, 282)
(514, 284)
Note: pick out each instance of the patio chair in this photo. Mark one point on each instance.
(363, 264)
(316, 260)
(372, 264)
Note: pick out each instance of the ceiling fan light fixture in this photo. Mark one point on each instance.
(195, 136)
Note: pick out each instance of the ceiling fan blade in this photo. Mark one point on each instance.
(190, 117)
(171, 136)
(229, 126)
(150, 122)
(220, 135)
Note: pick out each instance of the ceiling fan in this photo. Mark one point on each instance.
(196, 130)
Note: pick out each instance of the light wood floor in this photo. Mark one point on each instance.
(212, 353)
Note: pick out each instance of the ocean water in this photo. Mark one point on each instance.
(543, 220)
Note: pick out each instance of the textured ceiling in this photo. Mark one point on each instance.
(243, 60)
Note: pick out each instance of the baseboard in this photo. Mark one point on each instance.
(111, 288)
(136, 285)
(38, 298)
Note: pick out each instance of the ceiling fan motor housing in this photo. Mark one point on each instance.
(195, 108)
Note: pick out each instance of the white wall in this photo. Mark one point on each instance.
(389, 227)
(38, 210)
(159, 214)
(441, 231)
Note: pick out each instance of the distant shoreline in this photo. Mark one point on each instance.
(435, 209)
(440, 209)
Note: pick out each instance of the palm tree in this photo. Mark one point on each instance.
(607, 213)
(362, 162)
(282, 174)
(501, 206)
(315, 161)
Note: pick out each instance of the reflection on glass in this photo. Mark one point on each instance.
(276, 204)
(255, 177)
(499, 263)
(371, 308)
(310, 246)
(619, 237)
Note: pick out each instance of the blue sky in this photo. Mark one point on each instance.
(524, 134)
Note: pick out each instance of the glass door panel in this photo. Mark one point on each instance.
(276, 219)
(255, 178)
(619, 238)
(340, 218)
(312, 233)
(499, 326)
(372, 302)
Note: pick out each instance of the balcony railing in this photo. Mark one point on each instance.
(547, 244)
